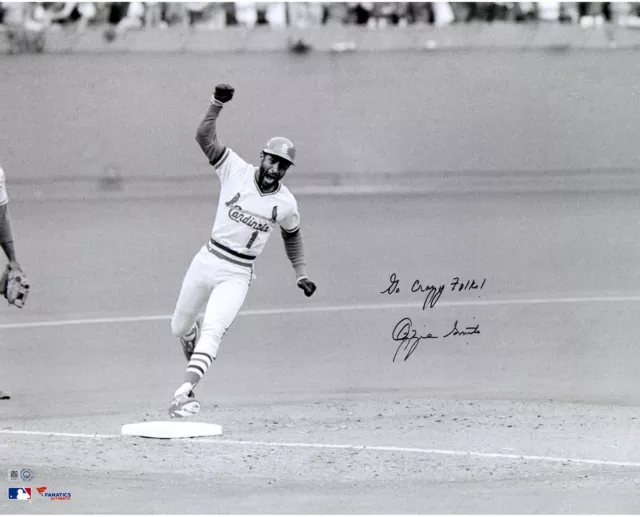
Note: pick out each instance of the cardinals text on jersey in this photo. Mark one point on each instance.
(246, 216)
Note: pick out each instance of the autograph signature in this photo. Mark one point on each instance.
(408, 338)
(432, 293)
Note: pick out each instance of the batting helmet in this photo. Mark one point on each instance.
(282, 147)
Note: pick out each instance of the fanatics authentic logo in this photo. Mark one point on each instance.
(54, 496)
(19, 494)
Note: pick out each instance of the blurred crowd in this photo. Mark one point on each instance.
(25, 23)
(218, 15)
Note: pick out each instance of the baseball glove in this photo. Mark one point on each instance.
(14, 286)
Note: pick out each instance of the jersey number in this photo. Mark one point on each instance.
(253, 238)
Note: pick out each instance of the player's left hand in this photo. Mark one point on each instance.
(307, 286)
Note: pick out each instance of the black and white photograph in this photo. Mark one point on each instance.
(330, 258)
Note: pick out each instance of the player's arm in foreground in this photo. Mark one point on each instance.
(207, 135)
(294, 248)
(13, 282)
(6, 236)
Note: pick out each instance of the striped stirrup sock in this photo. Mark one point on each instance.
(198, 366)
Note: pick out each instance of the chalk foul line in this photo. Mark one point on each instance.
(331, 308)
(375, 448)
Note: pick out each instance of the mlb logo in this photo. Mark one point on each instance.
(20, 494)
(14, 474)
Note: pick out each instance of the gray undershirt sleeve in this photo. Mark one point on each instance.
(294, 249)
(207, 135)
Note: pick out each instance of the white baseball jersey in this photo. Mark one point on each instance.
(3, 189)
(246, 216)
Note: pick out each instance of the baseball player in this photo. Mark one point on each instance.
(253, 202)
(13, 283)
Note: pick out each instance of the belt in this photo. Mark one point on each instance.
(226, 253)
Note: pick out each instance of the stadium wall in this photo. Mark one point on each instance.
(333, 37)
(418, 119)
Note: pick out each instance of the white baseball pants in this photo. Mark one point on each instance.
(220, 286)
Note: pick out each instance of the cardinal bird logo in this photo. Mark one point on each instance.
(233, 200)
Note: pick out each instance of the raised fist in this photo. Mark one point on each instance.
(223, 93)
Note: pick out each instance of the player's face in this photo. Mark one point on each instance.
(272, 170)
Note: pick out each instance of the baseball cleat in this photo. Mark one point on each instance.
(189, 345)
(4, 395)
(184, 405)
